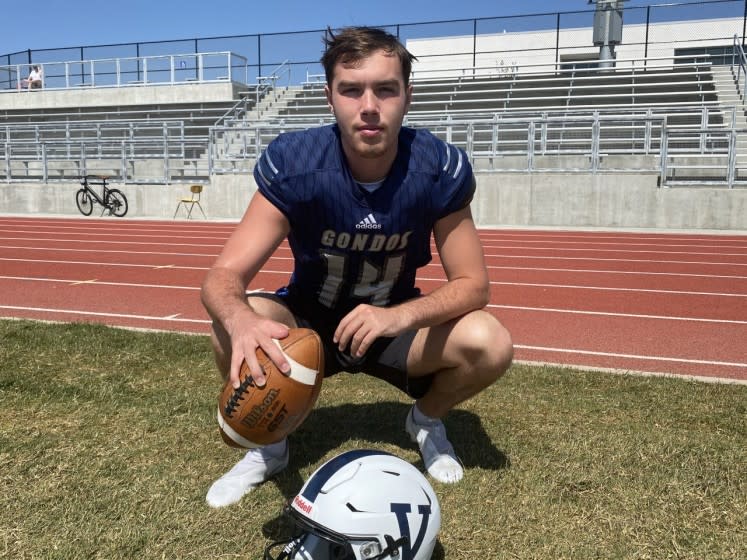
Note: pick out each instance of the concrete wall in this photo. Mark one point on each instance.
(557, 200)
(119, 96)
(604, 200)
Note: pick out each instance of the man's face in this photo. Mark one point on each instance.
(369, 100)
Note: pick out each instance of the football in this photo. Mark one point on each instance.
(252, 416)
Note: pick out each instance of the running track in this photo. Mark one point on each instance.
(644, 302)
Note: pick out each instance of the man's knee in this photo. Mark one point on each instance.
(486, 344)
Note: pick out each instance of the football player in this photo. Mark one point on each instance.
(358, 202)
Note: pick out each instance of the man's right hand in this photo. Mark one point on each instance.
(249, 331)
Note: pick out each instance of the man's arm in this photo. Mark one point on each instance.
(467, 288)
(223, 293)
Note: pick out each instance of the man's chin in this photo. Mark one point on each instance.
(370, 150)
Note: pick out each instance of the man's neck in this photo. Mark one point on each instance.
(370, 170)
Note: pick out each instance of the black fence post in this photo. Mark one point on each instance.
(645, 47)
(259, 54)
(474, 45)
(557, 42)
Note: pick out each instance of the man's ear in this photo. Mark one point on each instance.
(328, 95)
(408, 97)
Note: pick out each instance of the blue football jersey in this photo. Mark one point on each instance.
(351, 246)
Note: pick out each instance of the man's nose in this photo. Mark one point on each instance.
(369, 102)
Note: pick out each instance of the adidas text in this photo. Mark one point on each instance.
(369, 222)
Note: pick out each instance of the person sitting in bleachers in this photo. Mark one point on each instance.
(34, 81)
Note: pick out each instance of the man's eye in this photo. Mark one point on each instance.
(388, 91)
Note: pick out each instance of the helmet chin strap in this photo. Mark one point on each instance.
(291, 547)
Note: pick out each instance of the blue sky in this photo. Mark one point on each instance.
(43, 24)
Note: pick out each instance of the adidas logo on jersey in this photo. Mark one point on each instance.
(369, 222)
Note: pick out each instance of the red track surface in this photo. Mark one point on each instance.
(645, 302)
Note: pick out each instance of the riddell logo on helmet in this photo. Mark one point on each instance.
(302, 504)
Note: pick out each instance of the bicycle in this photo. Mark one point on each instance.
(112, 200)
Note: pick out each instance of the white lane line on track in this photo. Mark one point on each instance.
(658, 246)
(631, 356)
(79, 282)
(621, 250)
(114, 242)
(597, 271)
(123, 251)
(487, 237)
(435, 265)
(173, 318)
(419, 279)
(614, 289)
(98, 263)
(114, 251)
(495, 306)
(603, 288)
(140, 232)
(656, 261)
(625, 315)
(527, 257)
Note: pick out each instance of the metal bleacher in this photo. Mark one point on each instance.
(623, 115)
(477, 93)
(505, 120)
(109, 139)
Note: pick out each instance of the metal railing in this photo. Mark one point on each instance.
(133, 71)
(302, 48)
(110, 130)
(595, 143)
(128, 161)
(739, 67)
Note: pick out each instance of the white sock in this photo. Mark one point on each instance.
(276, 450)
(253, 469)
(421, 418)
(438, 454)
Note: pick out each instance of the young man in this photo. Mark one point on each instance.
(34, 80)
(358, 202)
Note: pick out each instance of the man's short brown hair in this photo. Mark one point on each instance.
(353, 44)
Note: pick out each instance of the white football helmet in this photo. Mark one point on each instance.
(363, 505)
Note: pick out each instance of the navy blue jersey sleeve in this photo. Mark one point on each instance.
(268, 174)
(457, 182)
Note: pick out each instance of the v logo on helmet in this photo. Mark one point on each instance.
(409, 548)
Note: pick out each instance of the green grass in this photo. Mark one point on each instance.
(108, 444)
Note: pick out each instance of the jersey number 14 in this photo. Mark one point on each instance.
(373, 282)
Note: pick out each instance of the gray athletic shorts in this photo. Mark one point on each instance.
(386, 359)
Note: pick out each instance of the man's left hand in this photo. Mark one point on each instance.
(364, 324)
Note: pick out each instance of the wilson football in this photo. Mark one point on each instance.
(252, 416)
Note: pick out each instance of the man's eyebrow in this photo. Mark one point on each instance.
(379, 83)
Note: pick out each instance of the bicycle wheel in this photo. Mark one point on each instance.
(116, 202)
(84, 202)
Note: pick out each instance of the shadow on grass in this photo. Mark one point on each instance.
(379, 423)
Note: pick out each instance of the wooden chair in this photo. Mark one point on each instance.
(190, 202)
